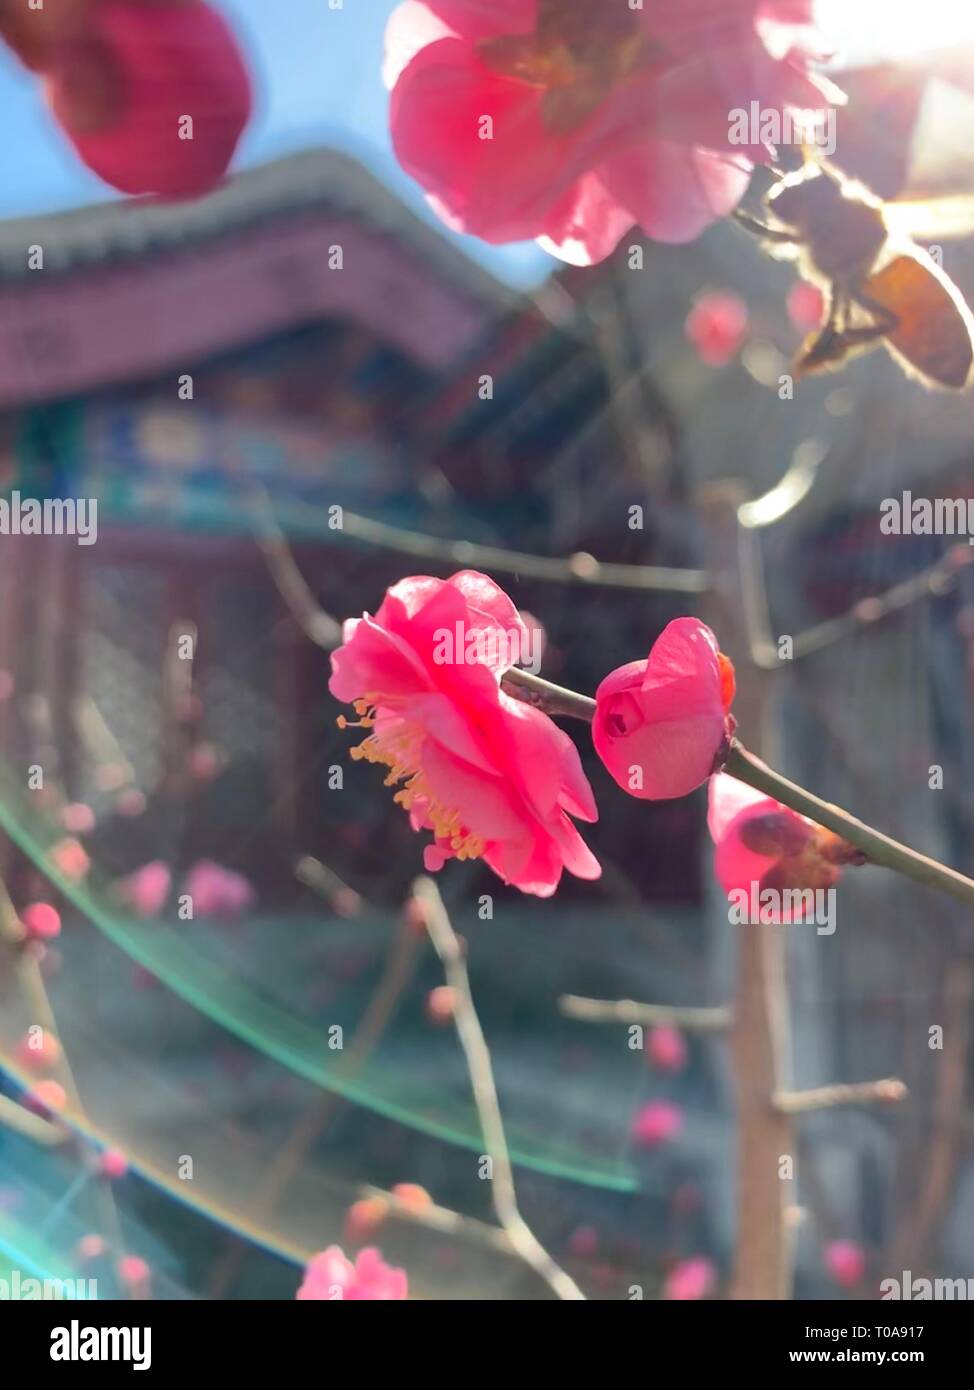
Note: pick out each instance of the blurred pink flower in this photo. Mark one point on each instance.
(113, 1164)
(491, 777)
(78, 818)
(806, 306)
(42, 921)
(332, 1276)
(601, 115)
(364, 1218)
(690, 1279)
(145, 891)
(656, 1123)
(70, 857)
(46, 1098)
(660, 723)
(666, 1048)
(91, 1247)
(716, 326)
(37, 1051)
(122, 82)
(134, 1274)
(845, 1261)
(130, 802)
(216, 891)
(759, 843)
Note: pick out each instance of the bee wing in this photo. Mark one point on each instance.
(934, 332)
(931, 219)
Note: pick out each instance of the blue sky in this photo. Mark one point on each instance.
(317, 74)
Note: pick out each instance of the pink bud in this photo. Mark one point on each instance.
(42, 921)
(113, 1164)
(845, 1260)
(690, 1279)
(716, 326)
(806, 306)
(660, 723)
(656, 1123)
(666, 1049)
(145, 891)
(133, 1273)
(78, 818)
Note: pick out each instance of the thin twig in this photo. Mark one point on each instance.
(932, 582)
(291, 584)
(443, 1220)
(887, 1092)
(573, 569)
(447, 946)
(694, 1020)
(878, 848)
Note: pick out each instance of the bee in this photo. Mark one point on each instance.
(880, 287)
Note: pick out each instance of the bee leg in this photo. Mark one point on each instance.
(760, 229)
(883, 317)
(825, 348)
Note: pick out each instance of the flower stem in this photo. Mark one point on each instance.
(553, 699)
(878, 848)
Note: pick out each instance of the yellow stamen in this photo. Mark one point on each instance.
(397, 752)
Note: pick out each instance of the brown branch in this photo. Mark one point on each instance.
(444, 1221)
(447, 945)
(932, 582)
(399, 970)
(693, 1020)
(581, 568)
(887, 1092)
(319, 626)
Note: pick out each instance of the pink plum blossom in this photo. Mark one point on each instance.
(145, 891)
(690, 1280)
(656, 1123)
(46, 1098)
(762, 844)
(716, 326)
(332, 1276)
(37, 1051)
(113, 1164)
(660, 723)
(216, 891)
(134, 1274)
(845, 1261)
(122, 80)
(666, 1048)
(806, 306)
(78, 817)
(491, 777)
(42, 921)
(572, 121)
(70, 858)
(91, 1247)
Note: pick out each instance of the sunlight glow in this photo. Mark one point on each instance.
(878, 30)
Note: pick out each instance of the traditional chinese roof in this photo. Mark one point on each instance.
(131, 288)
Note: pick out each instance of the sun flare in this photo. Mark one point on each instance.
(885, 30)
